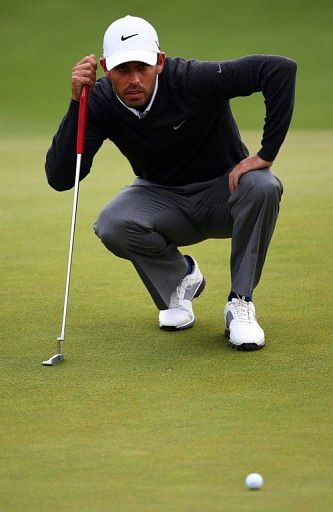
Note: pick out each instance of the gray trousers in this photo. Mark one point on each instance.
(146, 223)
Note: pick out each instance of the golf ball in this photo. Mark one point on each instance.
(254, 481)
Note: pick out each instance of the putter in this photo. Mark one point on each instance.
(58, 356)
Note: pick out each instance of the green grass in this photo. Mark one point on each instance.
(138, 420)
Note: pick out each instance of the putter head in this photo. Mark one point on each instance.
(56, 359)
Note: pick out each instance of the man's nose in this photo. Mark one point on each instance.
(134, 78)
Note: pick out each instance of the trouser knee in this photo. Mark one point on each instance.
(124, 236)
(111, 231)
(261, 186)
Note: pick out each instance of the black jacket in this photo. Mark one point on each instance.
(189, 135)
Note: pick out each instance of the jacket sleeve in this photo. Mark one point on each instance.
(61, 157)
(272, 75)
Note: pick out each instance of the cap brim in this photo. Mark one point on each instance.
(146, 56)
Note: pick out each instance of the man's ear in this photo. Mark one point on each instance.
(103, 64)
(160, 62)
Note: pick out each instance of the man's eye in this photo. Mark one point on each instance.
(121, 68)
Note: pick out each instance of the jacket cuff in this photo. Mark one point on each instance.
(266, 155)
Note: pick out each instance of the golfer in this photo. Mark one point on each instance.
(195, 180)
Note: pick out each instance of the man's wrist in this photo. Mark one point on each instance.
(265, 156)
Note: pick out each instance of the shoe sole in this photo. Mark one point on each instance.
(186, 326)
(181, 328)
(245, 347)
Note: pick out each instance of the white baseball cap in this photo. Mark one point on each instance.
(130, 39)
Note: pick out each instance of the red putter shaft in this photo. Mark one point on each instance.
(83, 108)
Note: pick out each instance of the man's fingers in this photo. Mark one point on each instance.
(231, 182)
(80, 80)
(84, 69)
(234, 177)
(250, 163)
(86, 64)
(84, 76)
(88, 59)
(83, 73)
(244, 166)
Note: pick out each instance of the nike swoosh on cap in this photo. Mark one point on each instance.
(123, 38)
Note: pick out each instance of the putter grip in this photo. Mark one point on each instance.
(81, 128)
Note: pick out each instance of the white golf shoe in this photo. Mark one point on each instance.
(180, 313)
(241, 326)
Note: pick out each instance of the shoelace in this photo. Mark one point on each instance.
(243, 311)
(177, 296)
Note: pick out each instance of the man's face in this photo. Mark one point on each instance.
(134, 82)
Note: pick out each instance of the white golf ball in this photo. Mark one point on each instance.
(254, 481)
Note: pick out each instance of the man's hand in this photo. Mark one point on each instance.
(251, 163)
(83, 73)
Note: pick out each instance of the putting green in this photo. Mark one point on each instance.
(141, 420)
